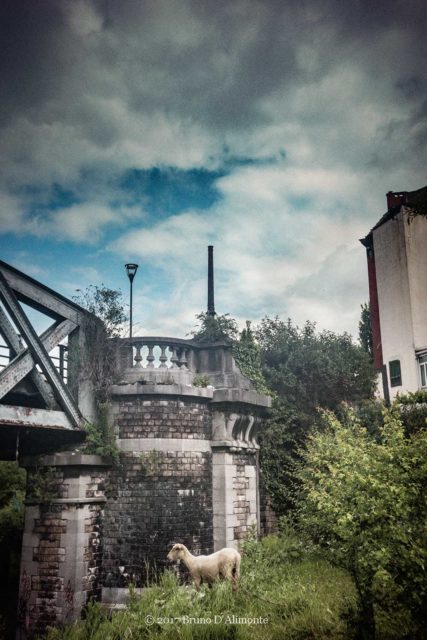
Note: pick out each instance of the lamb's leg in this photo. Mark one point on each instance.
(235, 574)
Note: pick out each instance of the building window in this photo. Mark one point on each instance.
(422, 363)
(395, 373)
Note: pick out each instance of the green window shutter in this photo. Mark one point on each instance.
(395, 373)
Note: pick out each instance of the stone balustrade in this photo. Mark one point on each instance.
(163, 353)
(166, 360)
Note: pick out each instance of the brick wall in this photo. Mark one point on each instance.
(156, 418)
(61, 552)
(245, 498)
(161, 490)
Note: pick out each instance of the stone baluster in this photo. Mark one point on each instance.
(163, 357)
(138, 356)
(183, 359)
(150, 357)
(174, 357)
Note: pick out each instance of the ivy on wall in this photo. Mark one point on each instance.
(247, 355)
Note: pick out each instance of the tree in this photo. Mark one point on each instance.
(363, 502)
(365, 330)
(101, 360)
(215, 328)
(107, 304)
(306, 370)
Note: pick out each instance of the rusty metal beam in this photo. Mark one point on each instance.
(22, 364)
(26, 417)
(38, 352)
(15, 344)
(39, 296)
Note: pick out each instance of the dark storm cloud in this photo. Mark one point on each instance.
(271, 128)
(214, 61)
(106, 86)
(32, 55)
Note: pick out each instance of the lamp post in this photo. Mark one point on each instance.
(131, 270)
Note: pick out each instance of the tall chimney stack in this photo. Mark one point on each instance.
(211, 303)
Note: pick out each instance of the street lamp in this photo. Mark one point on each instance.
(131, 270)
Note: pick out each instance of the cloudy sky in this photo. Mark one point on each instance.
(144, 130)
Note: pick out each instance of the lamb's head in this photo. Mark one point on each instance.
(176, 553)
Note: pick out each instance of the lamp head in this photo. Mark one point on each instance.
(131, 270)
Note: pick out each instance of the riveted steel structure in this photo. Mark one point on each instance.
(39, 412)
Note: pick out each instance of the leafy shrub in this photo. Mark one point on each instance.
(215, 328)
(413, 410)
(201, 380)
(363, 502)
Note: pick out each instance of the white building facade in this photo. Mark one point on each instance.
(397, 267)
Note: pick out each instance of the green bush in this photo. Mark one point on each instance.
(363, 502)
(413, 410)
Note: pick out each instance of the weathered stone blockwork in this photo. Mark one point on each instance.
(187, 472)
(62, 548)
(160, 495)
(245, 501)
(161, 418)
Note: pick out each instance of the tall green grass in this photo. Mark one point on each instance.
(285, 593)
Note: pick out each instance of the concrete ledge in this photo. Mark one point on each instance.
(69, 501)
(136, 389)
(242, 396)
(137, 445)
(234, 446)
(69, 459)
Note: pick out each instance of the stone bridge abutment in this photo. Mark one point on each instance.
(187, 471)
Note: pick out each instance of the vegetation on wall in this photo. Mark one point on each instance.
(246, 351)
(201, 380)
(100, 363)
(248, 356)
(365, 330)
(100, 438)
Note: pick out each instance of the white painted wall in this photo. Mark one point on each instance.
(401, 268)
(416, 251)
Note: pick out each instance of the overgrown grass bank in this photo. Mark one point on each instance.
(285, 593)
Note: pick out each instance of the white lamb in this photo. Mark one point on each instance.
(221, 564)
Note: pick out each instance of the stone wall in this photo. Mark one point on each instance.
(235, 495)
(187, 472)
(140, 417)
(161, 490)
(62, 542)
(245, 498)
